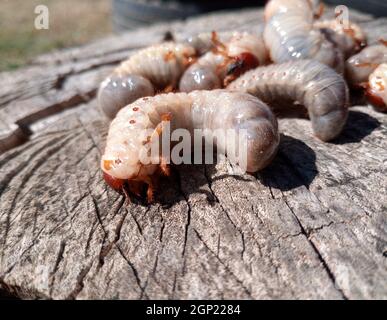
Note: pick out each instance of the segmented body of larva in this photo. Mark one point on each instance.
(290, 35)
(360, 66)
(317, 87)
(377, 87)
(156, 68)
(226, 62)
(129, 136)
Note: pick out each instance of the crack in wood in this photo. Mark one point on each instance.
(318, 253)
(247, 291)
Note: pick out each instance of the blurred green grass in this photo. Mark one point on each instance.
(71, 23)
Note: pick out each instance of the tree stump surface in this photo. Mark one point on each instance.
(311, 225)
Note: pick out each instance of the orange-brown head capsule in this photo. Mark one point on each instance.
(240, 64)
(114, 183)
(374, 99)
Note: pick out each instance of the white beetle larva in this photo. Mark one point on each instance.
(290, 35)
(152, 69)
(367, 70)
(227, 61)
(321, 90)
(360, 66)
(211, 110)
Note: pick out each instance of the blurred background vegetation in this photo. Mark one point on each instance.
(72, 22)
(75, 22)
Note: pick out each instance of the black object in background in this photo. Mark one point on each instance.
(132, 14)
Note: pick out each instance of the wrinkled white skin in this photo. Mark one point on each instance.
(203, 42)
(246, 42)
(378, 84)
(116, 92)
(274, 7)
(321, 90)
(349, 41)
(217, 109)
(360, 66)
(154, 68)
(210, 70)
(161, 64)
(290, 35)
(203, 74)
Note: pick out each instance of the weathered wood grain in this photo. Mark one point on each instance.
(311, 225)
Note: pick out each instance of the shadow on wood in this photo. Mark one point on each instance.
(294, 166)
(281, 174)
(359, 125)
